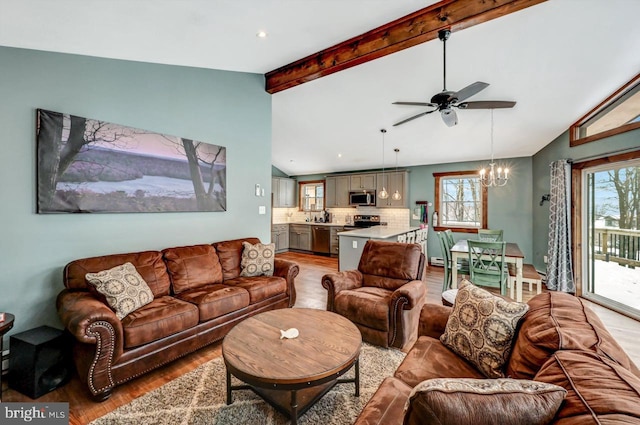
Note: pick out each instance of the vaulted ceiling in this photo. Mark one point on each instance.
(557, 59)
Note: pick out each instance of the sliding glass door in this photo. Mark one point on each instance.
(610, 235)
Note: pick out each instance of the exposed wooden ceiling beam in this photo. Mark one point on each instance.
(400, 34)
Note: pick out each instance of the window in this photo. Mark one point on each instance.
(461, 202)
(617, 114)
(312, 196)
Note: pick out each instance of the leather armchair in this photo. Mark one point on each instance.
(383, 298)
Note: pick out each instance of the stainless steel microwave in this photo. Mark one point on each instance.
(362, 198)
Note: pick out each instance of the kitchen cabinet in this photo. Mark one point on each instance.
(300, 237)
(280, 236)
(284, 192)
(393, 181)
(363, 181)
(335, 239)
(337, 191)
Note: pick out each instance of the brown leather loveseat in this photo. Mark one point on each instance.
(198, 296)
(560, 341)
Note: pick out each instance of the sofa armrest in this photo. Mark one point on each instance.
(288, 270)
(99, 332)
(80, 311)
(433, 320)
(409, 295)
(336, 282)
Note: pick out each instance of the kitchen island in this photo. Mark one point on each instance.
(352, 242)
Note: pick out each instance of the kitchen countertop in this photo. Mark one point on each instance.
(313, 223)
(379, 232)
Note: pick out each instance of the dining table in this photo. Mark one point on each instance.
(512, 254)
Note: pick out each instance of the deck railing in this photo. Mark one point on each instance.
(618, 245)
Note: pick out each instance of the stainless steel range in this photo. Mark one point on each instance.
(364, 221)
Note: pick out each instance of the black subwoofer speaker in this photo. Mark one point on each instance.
(39, 361)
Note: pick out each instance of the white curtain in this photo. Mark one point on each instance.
(559, 267)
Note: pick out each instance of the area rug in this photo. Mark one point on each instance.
(199, 397)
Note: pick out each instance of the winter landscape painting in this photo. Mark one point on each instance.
(91, 166)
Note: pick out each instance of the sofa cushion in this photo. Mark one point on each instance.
(257, 259)
(162, 317)
(230, 254)
(560, 321)
(367, 305)
(429, 359)
(465, 401)
(599, 391)
(481, 328)
(192, 266)
(390, 265)
(216, 300)
(123, 287)
(149, 264)
(386, 407)
(260, 287)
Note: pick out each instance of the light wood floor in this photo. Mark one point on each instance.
(310, 294)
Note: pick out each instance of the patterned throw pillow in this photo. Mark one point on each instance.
(482, 327)
(258, 259)
(123, 287)
(454, 401)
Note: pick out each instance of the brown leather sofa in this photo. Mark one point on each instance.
(199, 296)
(560, 341)
(384, 296)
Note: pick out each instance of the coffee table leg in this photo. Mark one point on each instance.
(357, 382)
(229, 397)
(294, 407)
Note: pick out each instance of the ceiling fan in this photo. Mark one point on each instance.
(446, 100)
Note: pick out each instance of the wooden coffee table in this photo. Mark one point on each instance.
(292, 374)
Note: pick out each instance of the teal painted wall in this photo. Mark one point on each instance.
(509, 206)
(226, 108)
(559, 149)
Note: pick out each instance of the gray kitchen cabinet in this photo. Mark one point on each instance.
(363, 182)
(337, 191)
(393, 181)
(300, 237)
(284, 192)
(280, 236)
(335, 239)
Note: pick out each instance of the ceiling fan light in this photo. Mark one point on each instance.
(449, 117)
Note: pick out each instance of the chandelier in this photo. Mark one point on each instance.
(383, 194)
(495, 176)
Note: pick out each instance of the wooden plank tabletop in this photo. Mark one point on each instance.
(511, 250)
(327, 345)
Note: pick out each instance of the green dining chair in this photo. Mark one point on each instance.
(490, 235)
(462, 267)
(487, 266)
(446, 258)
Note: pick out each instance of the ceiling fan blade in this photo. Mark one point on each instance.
(468, 91)
(414, 117)
(486, 104)
(449, 117)
(433, 105)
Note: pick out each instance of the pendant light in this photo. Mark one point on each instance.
(493, 177)
(383, 194)
(396, 195)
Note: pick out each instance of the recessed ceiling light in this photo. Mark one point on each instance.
(261, 34)
(339, 155)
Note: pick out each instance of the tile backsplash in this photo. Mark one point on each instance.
(396, 217)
